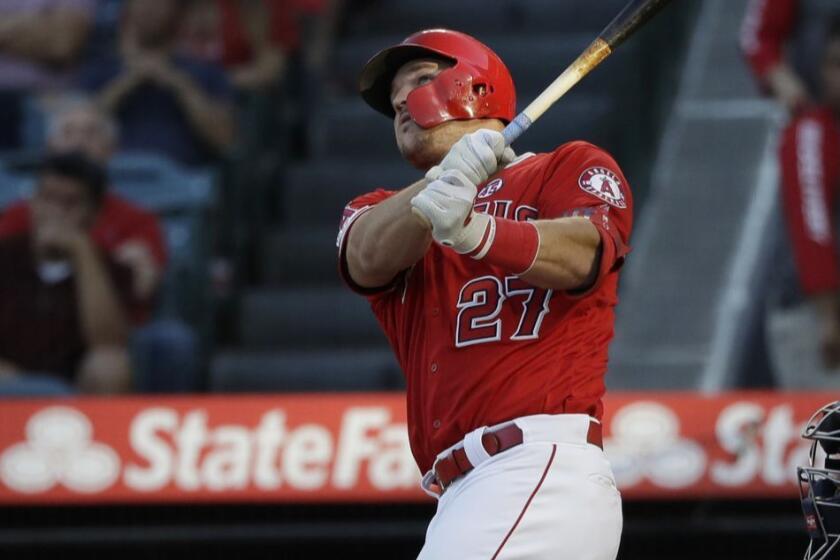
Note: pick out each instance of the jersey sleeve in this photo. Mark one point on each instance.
(810, 174)
(766, 28)
(585, 181)
(355, 209)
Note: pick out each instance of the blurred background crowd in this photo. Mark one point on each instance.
(172, 173)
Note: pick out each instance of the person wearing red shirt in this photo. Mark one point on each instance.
(780, 40)
(255, 40)
(64, 305)
(494, 278)
(810, 168)
(125, 231)
(164, 351)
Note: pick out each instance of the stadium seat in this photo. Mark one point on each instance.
(291, 371)
(551, 16)
(348, 129)
(13, 188)
(158, 184)
(316, 191)
(300, 257)
(404, 17)
(306, 318)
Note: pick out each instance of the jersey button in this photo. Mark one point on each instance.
(435, 311)
(434, 367)
(436, 424)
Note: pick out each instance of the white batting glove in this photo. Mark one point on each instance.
(447, 203)
(477, 155)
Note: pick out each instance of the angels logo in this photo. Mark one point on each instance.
(604, 184)
(59, 450)
(491, 188)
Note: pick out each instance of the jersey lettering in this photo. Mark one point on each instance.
(480, 304)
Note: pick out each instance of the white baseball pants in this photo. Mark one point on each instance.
(551, 498)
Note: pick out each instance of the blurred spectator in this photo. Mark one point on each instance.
(164, 102)
(129, 234)
(810, 165)
(164, 351)
(40, 40)
(781, 40)
(64, 305)
(255, 39)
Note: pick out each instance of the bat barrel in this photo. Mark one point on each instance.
(632, 17)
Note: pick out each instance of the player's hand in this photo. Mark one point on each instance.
(477, 155)
(788, 88)
(447, 203)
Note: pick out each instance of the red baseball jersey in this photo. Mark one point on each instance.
(810, 165)
(480, 346)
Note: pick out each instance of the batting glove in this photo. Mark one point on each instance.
(477, 155)
(447, 203)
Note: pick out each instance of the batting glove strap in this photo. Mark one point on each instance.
(512, 246)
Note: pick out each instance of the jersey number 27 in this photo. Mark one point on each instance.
(480, 305)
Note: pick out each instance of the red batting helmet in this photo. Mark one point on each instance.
(478, 86)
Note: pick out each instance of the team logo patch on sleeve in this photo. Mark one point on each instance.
(604, 184)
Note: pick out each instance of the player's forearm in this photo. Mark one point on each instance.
(567, 257)
(387, 239)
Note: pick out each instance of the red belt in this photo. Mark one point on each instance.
(456, 463)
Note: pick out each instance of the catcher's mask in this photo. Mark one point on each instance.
(819, 483)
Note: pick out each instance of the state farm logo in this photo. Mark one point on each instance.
(751, 443)
(646, 444)
(161, 449)
(182, 449)
(59, 450)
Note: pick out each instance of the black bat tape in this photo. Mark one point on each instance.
(633, 16)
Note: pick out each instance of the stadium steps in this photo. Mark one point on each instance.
(316, 191)
(295, 258)
(498, 16)
(366, 369)
(306, 318)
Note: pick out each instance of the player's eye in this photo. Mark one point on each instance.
(424, 79)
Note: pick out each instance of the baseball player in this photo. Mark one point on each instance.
(494, 278)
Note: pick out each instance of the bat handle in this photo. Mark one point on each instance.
(516, 127)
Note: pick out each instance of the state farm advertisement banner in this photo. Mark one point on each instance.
(339, 448)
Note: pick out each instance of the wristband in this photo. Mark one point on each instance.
(508, 244)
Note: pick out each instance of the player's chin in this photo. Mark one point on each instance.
(417, 150)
